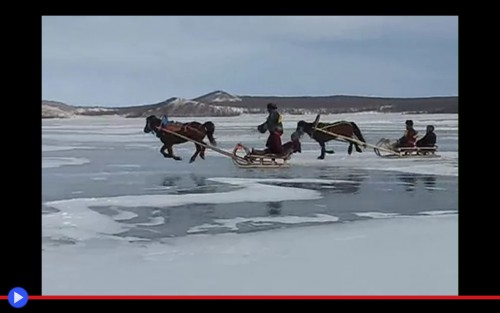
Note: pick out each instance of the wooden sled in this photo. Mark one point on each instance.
(258, 159)
(384, 148)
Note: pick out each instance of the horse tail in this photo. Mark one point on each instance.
(357, 132)
(210, 127)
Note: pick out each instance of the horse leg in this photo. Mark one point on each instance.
(202, 152)
(322, 156)
(357, 148)
(162, 151)
(171, 152)
(349, 150)
(198, 150)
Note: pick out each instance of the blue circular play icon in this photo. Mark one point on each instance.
(18, 297)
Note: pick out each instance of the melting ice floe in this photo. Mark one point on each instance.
(76, 220)
(232, 223)
(377, 215)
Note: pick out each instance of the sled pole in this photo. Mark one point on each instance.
(223, 152)
(356, 141)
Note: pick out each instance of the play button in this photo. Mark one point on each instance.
(18, 297)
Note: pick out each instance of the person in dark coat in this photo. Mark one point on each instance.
(429, 140)
(293, 145)
(288, 148)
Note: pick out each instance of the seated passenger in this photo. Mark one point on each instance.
(409, 138)
(288, 148)
(429, 140)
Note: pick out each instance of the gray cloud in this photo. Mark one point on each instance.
(133, 60)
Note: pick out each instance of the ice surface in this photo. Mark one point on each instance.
(377, 214)
(232, 224)
(246, 181)
(155, 221)
(446, 164)
(49, 148)
(439, 212)
(407, 256)
(124, 215)
(96, 243)
(49, 162)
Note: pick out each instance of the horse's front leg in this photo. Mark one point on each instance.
(162, 151)
(198, 150)
(171, 152)
(357, 148)
(322, 155)
(202, 152)
(349, 150)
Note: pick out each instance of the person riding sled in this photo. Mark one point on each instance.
(288, 148)
(429, 140)
(273, 124)
(409, 138)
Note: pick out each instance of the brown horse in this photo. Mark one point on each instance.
(343, 128)
(193, 130)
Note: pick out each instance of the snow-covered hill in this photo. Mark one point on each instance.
(217, 96)
(179, 107)
(185, 107)
(49, 111)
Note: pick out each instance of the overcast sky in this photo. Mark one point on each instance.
(118, 61)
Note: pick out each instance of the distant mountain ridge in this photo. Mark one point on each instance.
(218, 96)
(221, 103)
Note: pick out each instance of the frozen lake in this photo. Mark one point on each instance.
(109, 196)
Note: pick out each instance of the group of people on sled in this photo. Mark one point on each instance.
(409, 139)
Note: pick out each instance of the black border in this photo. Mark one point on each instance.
(21, 247)
(479, 260)
(146, 7)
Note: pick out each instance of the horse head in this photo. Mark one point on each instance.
(305, 127)
(151, 123)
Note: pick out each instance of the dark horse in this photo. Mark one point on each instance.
(193, 130)
(343, 128)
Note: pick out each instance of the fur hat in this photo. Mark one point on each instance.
(271, 106)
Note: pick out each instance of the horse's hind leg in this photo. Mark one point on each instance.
(358, 148)
(198, 150)
(172, 155)
(349, 150)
